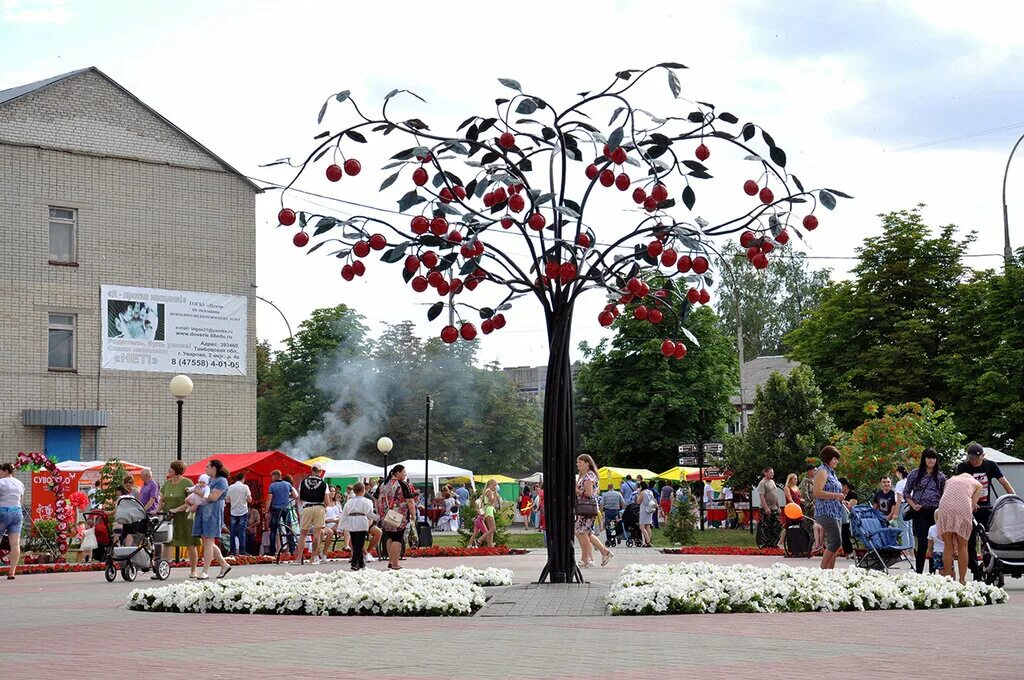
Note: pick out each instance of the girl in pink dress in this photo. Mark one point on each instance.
(954, 520)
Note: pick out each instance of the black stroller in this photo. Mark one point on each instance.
(615, 530)
(149, 534)
(1002, 542)
(631, 524)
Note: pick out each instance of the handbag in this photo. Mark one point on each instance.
(909, 513)
(89, 541)
(393, 520)
(586, 507)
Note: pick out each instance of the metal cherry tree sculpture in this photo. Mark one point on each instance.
(525, 176)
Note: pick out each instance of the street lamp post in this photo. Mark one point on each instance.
(1007, 253)
(384, 445)
(426, 457)
(181, 387)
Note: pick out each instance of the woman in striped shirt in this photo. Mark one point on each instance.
(828, 509)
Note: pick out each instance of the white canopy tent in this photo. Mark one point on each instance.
(414, 468)
(533, 479)
(1012, 468)
(351, 468)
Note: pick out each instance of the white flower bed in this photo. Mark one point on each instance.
(702, 588)
(406, 592)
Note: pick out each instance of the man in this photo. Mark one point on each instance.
(613, 503)
(708, 499)
(463, 493)
(628, 489)
(884, 499)
(767, 491)
(312, 496)
(239, 496)
(807, 490)
(984, 471)
(279, 499)
(149, 494)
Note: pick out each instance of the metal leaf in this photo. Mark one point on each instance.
(435, 310)
(689, 198)
(690, 336)
(673, 84)
(827, 199)
(526, 107)
(615, 138)
(389, 181)
(325, 224)
(728, 118)
(567, 211)
(513, 84)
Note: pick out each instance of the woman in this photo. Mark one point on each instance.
(646, 500)
(525, 506)
(332, 519)
(11, 493)
(538, 506)
(828, 505)
(396, 495)
(491, 502)
(172, 500)
(666, 501)
(901, 484)
(791, 490)
(209, 519)
(586, 534)
(922, 493)
(955, 519)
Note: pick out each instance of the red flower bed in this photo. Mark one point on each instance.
(723, 550)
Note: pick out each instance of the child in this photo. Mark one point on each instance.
(197, 495)
(479, 528)
(936, 547)
(356, 518)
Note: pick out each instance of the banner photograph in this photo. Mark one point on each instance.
(173, 331)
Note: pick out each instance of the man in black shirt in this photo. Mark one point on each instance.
(312, 494)
(885, 499)
(984, 471)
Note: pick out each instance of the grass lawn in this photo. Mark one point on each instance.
(741, 538)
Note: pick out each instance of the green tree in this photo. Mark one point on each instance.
(983, 359)
(880, 336)
(789, 426)
(772, 302)
(635, 406)
(293, 403)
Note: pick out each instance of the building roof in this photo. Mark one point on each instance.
(1001, 458)
(755, 374)
(13, 94)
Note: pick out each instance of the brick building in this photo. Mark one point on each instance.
(97, 189)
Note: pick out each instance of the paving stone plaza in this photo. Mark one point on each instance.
(56, 621)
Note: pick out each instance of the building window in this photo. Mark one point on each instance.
(63, 223)
(61, 354)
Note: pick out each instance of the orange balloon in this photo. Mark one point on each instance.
(792, 511)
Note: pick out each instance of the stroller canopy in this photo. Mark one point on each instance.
(1007, 525)
(129, 510)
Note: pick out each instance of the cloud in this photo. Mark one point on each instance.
(919, 82)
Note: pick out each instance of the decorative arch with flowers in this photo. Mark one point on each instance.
(65, 512)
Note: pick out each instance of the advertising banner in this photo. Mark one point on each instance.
(173, 331)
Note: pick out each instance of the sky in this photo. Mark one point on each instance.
(881, 100)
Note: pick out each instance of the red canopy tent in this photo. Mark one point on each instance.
(257, 467)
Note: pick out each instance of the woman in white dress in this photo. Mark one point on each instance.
(648, 507)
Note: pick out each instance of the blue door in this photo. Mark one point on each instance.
(63, 443)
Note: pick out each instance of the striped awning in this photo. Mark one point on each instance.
(63, 417)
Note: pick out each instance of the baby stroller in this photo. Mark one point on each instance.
(631, 525)
(1002, 542)
(881, 542)
(615, 531)
(150, 533)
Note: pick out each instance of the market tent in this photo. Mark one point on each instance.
(346, 472)
(680, 474)
(414, 468)
(81, 475)
(615, 475)
(319, 459)
(534, 478)
(508, 488)
(257, 467)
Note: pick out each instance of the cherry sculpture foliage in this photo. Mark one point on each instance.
(526, 176)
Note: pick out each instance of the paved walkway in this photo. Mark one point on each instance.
(74, 624)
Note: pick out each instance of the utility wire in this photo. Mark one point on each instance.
(957, 138)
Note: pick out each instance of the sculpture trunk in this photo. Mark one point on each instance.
(559, 453)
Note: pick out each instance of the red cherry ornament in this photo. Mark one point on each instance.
(507, 140)
(449, 334)
(750, 188)
(378, 242)
(766, 196)
(420, 176)
(334, 172)
(352, 167)
(702, 153)
(810, 223)
(300, 239)
(468, 331)
(286, 217)
(700, 264)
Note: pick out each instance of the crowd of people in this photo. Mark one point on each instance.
(940, 516)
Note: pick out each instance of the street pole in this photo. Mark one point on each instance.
(700, 472)
(1007, 253)
(426, 458)
(181, 408)
(739, 345)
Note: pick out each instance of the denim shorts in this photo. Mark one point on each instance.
(833, 532)
(10, 522)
